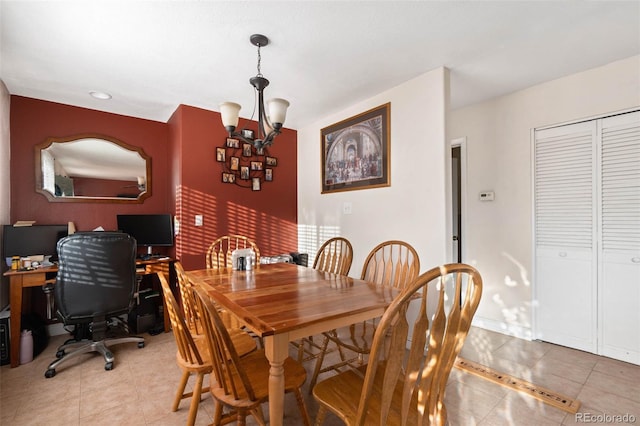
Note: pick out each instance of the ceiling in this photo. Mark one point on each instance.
(152, 56)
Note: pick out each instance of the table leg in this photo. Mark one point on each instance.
(276, 350)
(15, 303)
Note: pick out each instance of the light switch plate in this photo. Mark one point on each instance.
(198, 220)
(346, 207)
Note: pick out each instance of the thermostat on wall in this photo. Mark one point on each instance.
(486, 196)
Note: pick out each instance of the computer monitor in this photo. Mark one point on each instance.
(32, 240)
(149, 230)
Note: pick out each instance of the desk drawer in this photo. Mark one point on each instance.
(33, 279)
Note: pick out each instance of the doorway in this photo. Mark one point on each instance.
(458, 179)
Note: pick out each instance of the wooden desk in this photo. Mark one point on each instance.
(18, 280)
(283, 302)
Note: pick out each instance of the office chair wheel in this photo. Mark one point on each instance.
(141, 345)
(50, 373)
(108, 366)
(60, 354)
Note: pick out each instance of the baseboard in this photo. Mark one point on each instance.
(502, 327)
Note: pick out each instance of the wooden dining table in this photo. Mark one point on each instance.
(282, 302)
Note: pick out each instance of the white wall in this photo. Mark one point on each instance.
(5, 184)
(413, 208)
(499, 233)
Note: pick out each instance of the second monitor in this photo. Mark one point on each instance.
(149, 230)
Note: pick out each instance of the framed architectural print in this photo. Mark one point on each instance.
(356, 152)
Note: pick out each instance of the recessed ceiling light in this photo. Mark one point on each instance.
(100, 95)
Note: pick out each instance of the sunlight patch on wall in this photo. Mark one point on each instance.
(274, 235)
(311, 237)
(193, 240)
(241, 220)
(524, 278)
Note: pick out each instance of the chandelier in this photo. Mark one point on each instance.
(270, 120)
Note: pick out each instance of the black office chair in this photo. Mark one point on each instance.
(95, 285)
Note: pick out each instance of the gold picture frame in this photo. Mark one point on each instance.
(356, 152)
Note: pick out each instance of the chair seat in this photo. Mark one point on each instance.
(341, 395)
(256, 366)
(242, 341)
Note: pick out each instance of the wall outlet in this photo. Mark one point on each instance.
(198, 220)
(346, 207)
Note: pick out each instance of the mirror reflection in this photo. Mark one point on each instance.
(92, 168)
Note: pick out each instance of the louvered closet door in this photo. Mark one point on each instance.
(619, 213)
(565, 230)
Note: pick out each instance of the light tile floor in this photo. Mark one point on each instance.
(140, 389)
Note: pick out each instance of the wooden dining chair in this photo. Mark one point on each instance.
(335, 256)
(219, 252)
(188, 302)
(412, 354)
(192, 357)
(243, 341)
(391, 263)
(242, 383)
(219, 255)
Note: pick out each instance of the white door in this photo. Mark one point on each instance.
(619, 218)
(565, 232)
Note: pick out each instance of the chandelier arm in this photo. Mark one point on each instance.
(262, 134)
(268, 140)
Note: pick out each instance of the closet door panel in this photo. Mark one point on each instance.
(620, 306)
(619, 218)
(566, 306)
(565, 229)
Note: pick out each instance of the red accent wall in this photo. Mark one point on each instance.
(33, 121)
(186, 178)
(268, 216)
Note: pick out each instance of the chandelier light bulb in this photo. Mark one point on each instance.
(277, 111)
(230, 112)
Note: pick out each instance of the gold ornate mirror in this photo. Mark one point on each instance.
(92, 168)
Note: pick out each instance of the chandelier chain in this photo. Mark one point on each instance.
(259, 60)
